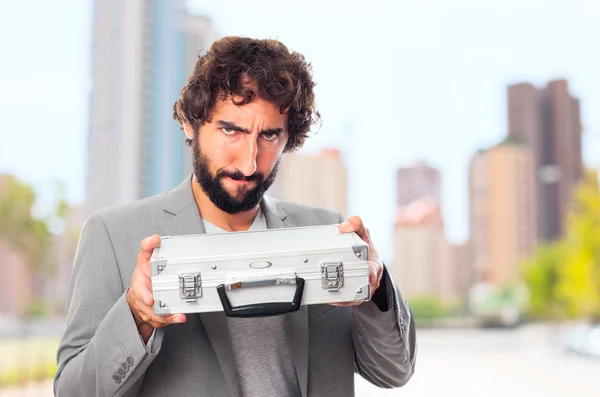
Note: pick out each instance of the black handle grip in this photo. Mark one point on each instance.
(262, 309)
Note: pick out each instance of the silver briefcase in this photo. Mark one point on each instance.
(259, 273)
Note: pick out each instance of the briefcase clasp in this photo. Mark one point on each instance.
(190, 287)
(332, 276)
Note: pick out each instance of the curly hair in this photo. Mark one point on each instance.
(240, 66)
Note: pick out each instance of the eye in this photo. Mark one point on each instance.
(228, 131)
(270, 136)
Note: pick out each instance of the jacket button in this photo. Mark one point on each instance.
(125, 367)
(121, 373)
(116, 378)
(130, 361)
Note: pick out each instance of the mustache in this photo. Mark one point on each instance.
(237, 175)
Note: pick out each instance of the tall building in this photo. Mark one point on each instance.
(143, 52)
(548, 119)
(200, 34)
(425, 262)
(416, 182)
(456, 276)
(419, 245)
(319, 180)
(502, 216)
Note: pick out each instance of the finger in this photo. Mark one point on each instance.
(175, 319)
(379, 272)
(372, 273)
(345, 304)
(345, 227)
(354, 224)
(146, 313)
(142, 289)
(163, 321)
(358, 227)
(147, 247)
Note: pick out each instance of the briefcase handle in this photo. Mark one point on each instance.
(262, 309)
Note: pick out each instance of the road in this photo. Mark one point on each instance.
(492, 363)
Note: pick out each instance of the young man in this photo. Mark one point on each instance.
(246, 103)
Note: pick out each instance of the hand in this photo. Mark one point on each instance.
(355, 224)
(139, 295)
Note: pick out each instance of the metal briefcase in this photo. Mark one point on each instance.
(259, 273)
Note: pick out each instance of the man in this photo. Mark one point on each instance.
(246, 103)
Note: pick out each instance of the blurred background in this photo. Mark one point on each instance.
(466, 134)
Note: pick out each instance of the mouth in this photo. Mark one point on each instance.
(240, 181)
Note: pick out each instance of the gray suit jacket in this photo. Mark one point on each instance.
(102, 354)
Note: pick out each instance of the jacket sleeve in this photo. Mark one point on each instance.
(101, 352)
(385, 341)
(384, 336)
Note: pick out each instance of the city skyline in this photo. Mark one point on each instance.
(450, 128)
(447, 97)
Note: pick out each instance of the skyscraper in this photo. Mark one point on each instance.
(425, 262)
(419, 244)
(417, 181)
(319, 180)
(502, 218)
(548, 119)
(143, 51)
(200, 34)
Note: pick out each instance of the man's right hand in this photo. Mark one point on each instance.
(139, 295)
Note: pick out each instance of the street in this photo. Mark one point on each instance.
(494, 363)
(524, 362)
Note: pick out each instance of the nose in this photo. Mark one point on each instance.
(247, 161)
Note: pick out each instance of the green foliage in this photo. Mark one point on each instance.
(542, 277)
(427, 308)
(509, 296)
(25, 233)
(37, 308)
(29, 235)
(563, 277)
(34, 373)
(579, 286)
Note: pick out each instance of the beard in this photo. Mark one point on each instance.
(215, 190)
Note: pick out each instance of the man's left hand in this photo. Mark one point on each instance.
(355, 224)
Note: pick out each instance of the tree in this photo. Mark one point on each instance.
(18, 227)
(563, 277)
(579, 277)
(542, 277)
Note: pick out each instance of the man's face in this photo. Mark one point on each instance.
(236, 154)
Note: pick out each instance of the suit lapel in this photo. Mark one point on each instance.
(181, 216)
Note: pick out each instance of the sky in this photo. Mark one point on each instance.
(397, 82)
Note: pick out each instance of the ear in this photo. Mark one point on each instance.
(188, 131)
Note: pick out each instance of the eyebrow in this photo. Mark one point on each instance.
(232, 126)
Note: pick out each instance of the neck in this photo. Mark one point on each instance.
(213, 214)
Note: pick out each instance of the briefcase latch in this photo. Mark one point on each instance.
(332, 276)
(190, 287)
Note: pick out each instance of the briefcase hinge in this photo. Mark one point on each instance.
(190, 287)
(332, 276)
